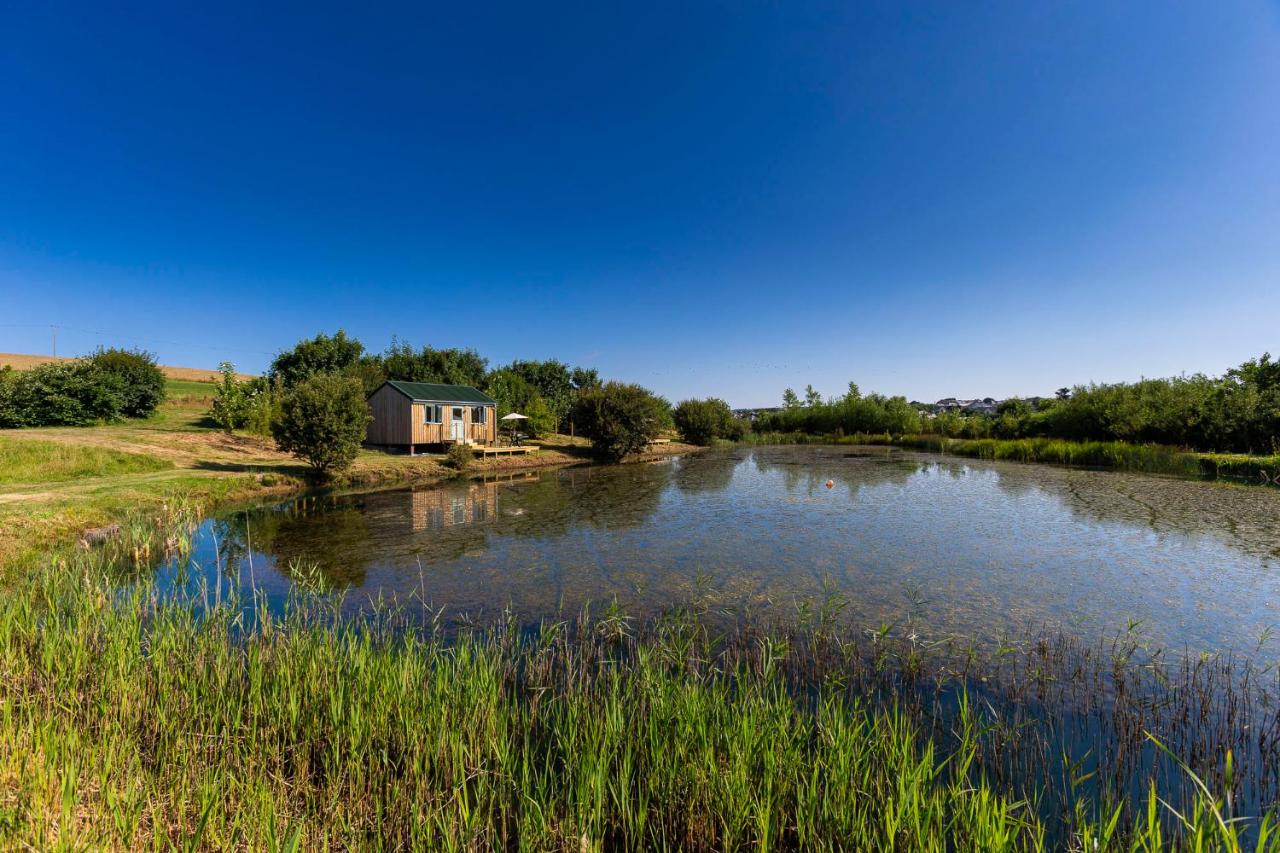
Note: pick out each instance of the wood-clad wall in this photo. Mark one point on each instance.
(397, 420)
(390, 410)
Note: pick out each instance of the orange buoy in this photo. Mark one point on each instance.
(831, 484)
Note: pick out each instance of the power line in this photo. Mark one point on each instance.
(128, 337)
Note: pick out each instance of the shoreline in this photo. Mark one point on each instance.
(177, 460)
(1236, 468)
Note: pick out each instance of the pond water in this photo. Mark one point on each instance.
(969, 548)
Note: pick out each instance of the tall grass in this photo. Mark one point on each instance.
(1119, 455)
(24, 460)
(131, 721)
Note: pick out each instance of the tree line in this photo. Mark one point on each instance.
(1236, 412)
(311, 400)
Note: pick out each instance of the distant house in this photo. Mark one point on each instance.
(418, 414)
(985, 406)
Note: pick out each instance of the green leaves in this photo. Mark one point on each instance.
(323, 420)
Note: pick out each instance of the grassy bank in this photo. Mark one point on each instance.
(1146, 458)
(131, 722)
(35, 461)
(56, 482)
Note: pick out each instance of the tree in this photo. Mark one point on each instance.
(620, 419)
(321, 354)
(449, 366)
(854, 393)
(141, 381)
(542, 421)
(703, 421)
(512, 391)
(585, 377)
(812, 397)
(790, 400)
(552, 380)
(323, 420)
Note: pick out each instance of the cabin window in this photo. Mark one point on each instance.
(477, 414)
(433, 414)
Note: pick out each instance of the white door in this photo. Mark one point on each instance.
(459, 431)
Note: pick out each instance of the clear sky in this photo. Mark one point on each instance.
(940, 199)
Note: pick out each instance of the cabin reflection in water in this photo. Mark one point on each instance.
(476, 503)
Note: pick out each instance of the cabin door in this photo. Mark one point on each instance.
(459, 429)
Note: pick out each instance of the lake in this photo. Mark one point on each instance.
(947, 547)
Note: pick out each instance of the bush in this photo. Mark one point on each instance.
(459, 457)
(618, 418)
(69, 393)
(323, 420)
(141, 381)
(230, 408)
(703, 421)
(252, 405)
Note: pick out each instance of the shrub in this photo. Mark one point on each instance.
(618, 418)
(459, 457)
(230, 408)
(322, 421)
(252, 405)
(737, 429)
(703, 421)
(69, 393)
(141, 381)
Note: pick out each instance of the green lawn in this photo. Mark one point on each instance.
(24, 460)
(179, 389)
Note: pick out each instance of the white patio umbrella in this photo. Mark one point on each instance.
(512, 418)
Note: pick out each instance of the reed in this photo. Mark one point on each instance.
(1118, 455)
(131, 719)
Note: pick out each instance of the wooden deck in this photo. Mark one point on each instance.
(483, 451)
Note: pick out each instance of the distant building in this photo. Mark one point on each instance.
(752, 414)
(984, 406)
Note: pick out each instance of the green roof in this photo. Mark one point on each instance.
(432, 392)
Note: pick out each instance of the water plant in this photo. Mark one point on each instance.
(133, 718)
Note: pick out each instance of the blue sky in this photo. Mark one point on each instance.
(930, 199)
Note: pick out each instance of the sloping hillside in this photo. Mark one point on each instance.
(191, 374)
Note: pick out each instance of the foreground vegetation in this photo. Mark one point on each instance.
(201, 721)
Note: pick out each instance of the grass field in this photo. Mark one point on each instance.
(25, 460)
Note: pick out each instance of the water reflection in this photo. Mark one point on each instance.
(963, 547)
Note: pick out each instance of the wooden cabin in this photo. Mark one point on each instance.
(416, 414)
(437, 509)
